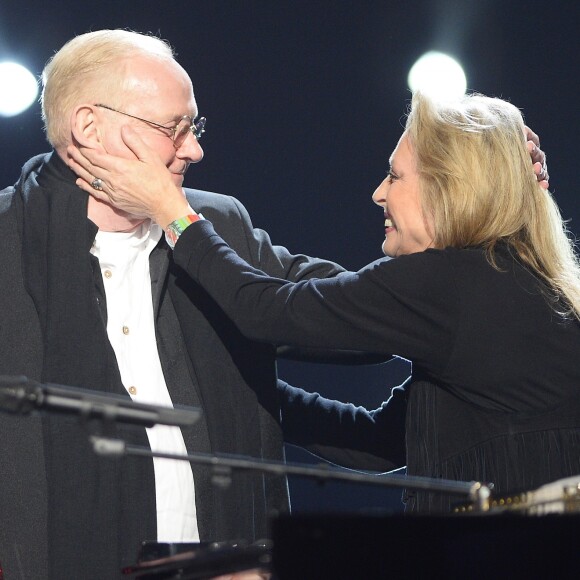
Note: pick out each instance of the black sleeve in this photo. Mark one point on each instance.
(277, 261)
(343, 433)
(408, 306)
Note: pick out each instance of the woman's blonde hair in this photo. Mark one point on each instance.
(83, 70)
(478, 184)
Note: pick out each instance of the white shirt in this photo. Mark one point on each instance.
(124, 261)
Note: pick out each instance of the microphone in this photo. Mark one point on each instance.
(20, 395)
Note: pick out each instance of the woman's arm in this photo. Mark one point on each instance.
(408, 306)
(343, 433)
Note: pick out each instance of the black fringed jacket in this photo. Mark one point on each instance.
(495, 390)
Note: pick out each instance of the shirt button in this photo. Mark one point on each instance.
(132, 390)
(125, 330)
(108, 273)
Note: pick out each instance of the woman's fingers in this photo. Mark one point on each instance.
(140, 185)
(138, 146)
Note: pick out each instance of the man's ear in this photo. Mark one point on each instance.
(85, 126)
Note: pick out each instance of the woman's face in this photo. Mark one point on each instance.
(406, 229)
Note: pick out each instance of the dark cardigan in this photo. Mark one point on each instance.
(65, 512)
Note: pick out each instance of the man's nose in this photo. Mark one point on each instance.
(190, 150)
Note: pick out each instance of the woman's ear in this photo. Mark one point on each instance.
(85, 126)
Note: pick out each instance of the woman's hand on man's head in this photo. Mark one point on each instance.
(538, 157)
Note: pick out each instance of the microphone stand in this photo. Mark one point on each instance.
(222, 465)
(20, 395)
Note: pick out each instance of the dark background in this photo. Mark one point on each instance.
(305, 101)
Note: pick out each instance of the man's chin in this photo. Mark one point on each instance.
(178, 179)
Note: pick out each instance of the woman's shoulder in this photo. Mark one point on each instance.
(435, 259)
(450, 271)
(428, 275)
(470, 257)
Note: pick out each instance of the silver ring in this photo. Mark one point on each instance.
(97, 184)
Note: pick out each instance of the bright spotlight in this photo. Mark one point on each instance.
(438, 75)
(18, 89)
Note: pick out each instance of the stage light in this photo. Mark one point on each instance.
(437, 75)
(18, 89)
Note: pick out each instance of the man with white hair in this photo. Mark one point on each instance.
(98, 303)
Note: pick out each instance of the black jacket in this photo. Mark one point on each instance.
(66, 513)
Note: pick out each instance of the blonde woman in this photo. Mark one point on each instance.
(483, 296)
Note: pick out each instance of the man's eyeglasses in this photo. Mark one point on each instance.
(179, 133)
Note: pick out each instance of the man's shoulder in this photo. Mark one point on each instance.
(209, 199)
(30, 168)
(6, 197)
(217, 207)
